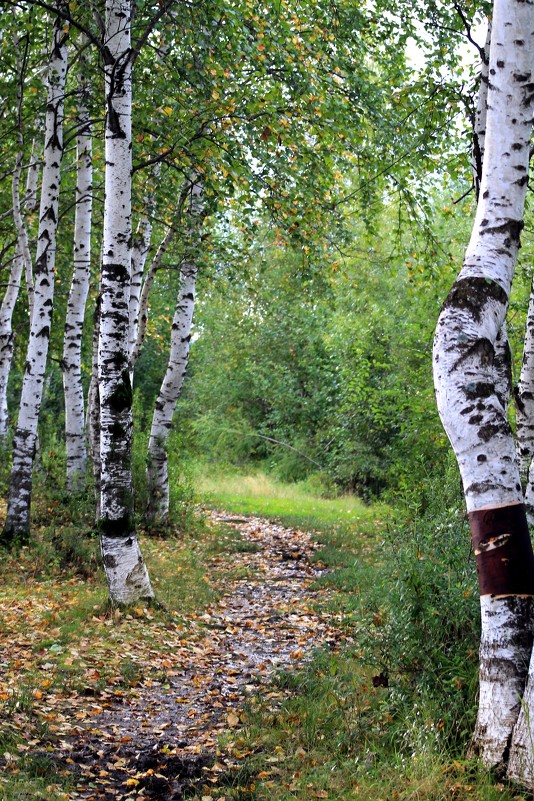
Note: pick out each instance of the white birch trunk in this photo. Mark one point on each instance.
(124, 566)
(93, 413)
(22, 234)
(18, 510)
(157, 467)
(157, 470)
(524, 402)
(32, 180)
(142, 314)
(6, 337)
(140, 248)
(469, 385)
(479, 126)
(72, 342)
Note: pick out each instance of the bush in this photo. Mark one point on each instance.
(421, 621)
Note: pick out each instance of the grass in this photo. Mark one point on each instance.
(292, 504)
(333, 730)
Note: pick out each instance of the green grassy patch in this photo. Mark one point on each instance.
(346, 519)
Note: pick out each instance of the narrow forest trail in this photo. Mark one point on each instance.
(161, 740)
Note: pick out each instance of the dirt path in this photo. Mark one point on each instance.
(162, 741)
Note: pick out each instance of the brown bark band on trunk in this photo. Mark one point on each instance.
(503, 550)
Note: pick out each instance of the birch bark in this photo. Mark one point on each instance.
(524, 408)
(72, 342)
(157, 466)
(32, 181)
(93, 412)
(124, 566)
(157, 469)
(20, 225)
(22, 234)
(469, 391)
(142, 312)
(17, 522)
(6, 337)
(140, 248)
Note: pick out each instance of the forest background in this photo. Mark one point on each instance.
(337, 198)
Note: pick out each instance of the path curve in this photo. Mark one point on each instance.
(272, 616)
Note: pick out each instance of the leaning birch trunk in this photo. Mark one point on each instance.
(6, 337)
(157, 470)
(124, 566)
(72, 342)
(467, 387)
(17, 522)
(157, 463)
(142, 313)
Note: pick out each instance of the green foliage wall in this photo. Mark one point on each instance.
(334, 364)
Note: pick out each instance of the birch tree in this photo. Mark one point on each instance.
(468, 380)
(124, 566)
(6, 336)
(157, 467)
(20, 486)
(72, 342)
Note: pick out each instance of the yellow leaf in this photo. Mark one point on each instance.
(167, 110)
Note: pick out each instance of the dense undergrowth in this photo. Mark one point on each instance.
(389, 716)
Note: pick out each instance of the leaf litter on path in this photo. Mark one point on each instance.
(159, 740)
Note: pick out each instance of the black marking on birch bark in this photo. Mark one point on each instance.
(483, 351)
(512, 227)
(476, 390)
(50, 215)
(117, 431)
(471, 294)
(121, 398)
(114, 123)
(109, 561)
(115, 272)
(491, 430)
(467, 410)
(501, 542)
(122, 527)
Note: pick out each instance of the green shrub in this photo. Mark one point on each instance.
(421, 620)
